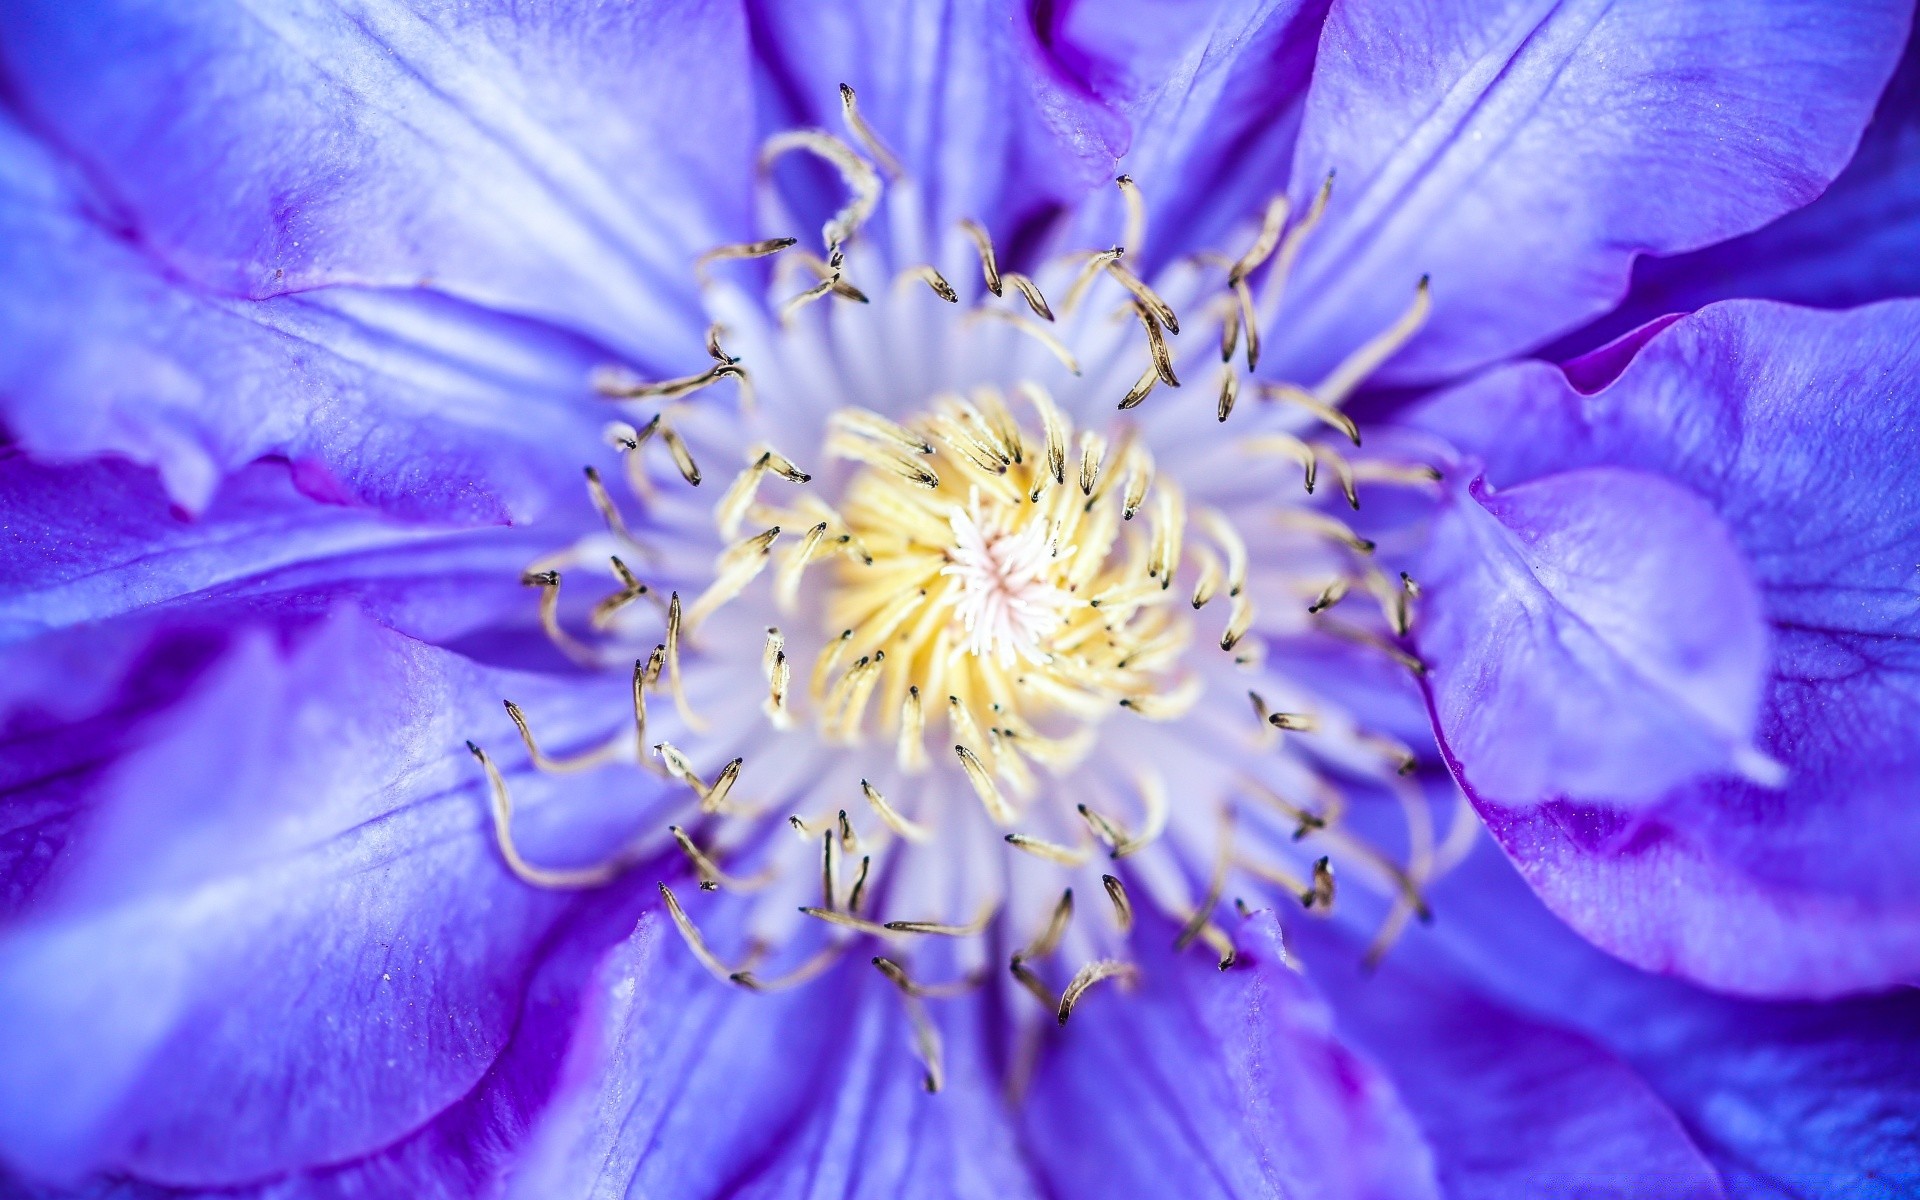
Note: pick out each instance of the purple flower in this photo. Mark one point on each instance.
(925, 690)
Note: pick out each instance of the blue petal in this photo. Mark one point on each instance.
(1204, 1084)
(285, 938)
(411, 402)
(1212, 92)
(683, 1086)
(1797, 427)
(1522, 153)
(1859, 242)
(565, 162)
(961, 91)
(1513, 1105)
(1814, 1100)
(1592, 633)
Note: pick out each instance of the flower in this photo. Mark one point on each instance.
(986, 667)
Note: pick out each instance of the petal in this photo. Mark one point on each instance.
(682, 1086)
(1592, 633)
(419, 405)
(1212, 92)
(565, 162)
(1205, 1084)
(1522, 153)
(1859, 242)
(962, 92)
(1796, 426)
(1512, 1105)
(285, 938)
(1793, 1099)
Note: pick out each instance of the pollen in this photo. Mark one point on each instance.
(1002, 599)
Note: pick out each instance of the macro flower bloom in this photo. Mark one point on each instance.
(670, 599)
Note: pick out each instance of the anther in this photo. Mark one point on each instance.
(715, 332)
(1122, 906)
(1295, 722)
(682, 457)
(1034, 984)
(984, 787)
(983, 242)
(937, 282)
(1356, 367)
(1030, 292)
(709, 873)
(1156, 345)
(1229, 392)
(603, 503)
(716, 798)
(1329, 596)
(617, 383)
(1320, 892)
(676, 683)
(862, 181)
(1272, 222)
(1103, 827)
(1216, 884)
(1087, 976)
(859, 889)
(942, 929)
(826, 872)
(1140, 388)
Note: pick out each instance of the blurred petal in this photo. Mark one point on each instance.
(1522, 153)
(1796, 426)
(1590, 634)
(1203, 1084)
(960, 90)
(175, 993)
(564, 161)
(683, 1086)
(422, 406)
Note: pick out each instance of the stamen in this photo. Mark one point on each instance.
(1229, 392)
(1122, 905)
(985, 788)
(849, 921)
(1030, 292)
(1039, 333)
(1364, 361)
(715, 801)
(682, 457)
(826, 873)
(1144, 294)
(1272, 221)
(1048, 939)
(936, 281)
(779, 678)
(868, 139)
(972, 927)
(1096, 263)
(1136, 226)
(1322, 525)
(1140, 388)
(1104, 828)
(859, 890)
(759, 249)
(1216, 884)
(586, 761)
(1156, 346)
(676, 684)
(862, 181)
(603, 503)
(692, 937)
(807, 971)
(1051, 851)
(1087, 976)
(549, 584)
(1153, 798)
(709, 873)
(1033, 983)
(617, 383)
(891, 818)
(983, 242)
(1295, 722)
(566, 878)
(715, 332)
(897, 975)
(926, 1043)
(631, 589)
(1301, 398)
(1320, 893)
(735, 568)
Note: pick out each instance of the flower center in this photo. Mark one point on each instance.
(1001, 590)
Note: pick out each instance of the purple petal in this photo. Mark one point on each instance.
(1513, 1106)
(1212, 91)
(285, 938)
(1795, 425)
(416, 404)
(1522, 154)
(962, 93)
(565, 162)
(1859, 242)
(683, 1086)
(1591, 634)
(1204, 1084)
(1785, 1099)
